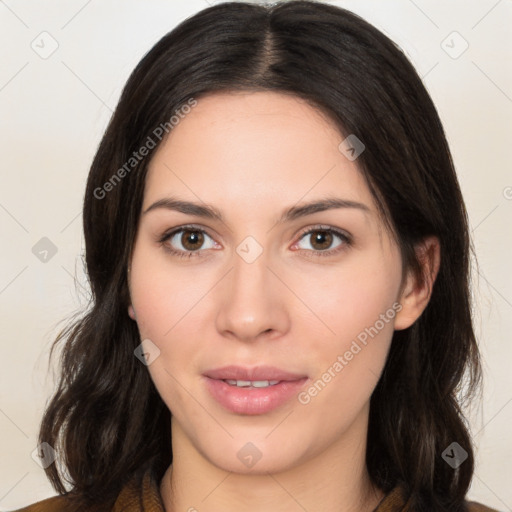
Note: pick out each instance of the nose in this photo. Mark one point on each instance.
(252, 302)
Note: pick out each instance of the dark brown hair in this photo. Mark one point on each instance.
(106, 419)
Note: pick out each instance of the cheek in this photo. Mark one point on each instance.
(165, 302)
(170, 307)
(160, 294)
(166, 316)
(357, 304)
(351, 299)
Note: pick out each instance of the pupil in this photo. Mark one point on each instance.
(193, 240)
(323, 238)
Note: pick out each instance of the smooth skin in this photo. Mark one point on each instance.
(251, 156)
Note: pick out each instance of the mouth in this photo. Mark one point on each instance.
(252, 391)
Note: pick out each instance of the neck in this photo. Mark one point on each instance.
(336, 480)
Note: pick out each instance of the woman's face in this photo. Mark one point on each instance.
(271, 291)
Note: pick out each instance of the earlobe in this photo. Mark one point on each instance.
(418, 290)
(131, 312)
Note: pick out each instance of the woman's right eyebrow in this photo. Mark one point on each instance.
(187, 207)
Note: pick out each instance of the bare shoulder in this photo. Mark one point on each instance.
(478, 507)
(55, 504)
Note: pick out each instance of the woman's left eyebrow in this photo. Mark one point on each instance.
(320, 205)
(292, 213)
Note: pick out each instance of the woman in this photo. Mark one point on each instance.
(279, 257)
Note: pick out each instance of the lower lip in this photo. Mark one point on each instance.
(249, 400)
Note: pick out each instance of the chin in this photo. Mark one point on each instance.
(256, 458)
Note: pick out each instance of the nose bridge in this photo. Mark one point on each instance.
(250, 275)
(251, 303)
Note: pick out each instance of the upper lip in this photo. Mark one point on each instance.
(256, 373)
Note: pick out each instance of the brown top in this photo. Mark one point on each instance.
(128, 501)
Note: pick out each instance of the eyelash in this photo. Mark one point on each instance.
(347, 241)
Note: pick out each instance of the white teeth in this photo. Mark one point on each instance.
(252, 383)
(264, 383)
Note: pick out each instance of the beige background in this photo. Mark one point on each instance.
(54, 110)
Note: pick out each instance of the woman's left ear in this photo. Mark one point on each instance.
(418, 290)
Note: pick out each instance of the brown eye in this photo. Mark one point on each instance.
(191, 239)
(186, 241)
(323, 241)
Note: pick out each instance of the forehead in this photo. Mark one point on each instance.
(259, 149)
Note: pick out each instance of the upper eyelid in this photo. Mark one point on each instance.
(171, 232)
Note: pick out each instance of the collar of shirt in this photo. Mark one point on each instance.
(130, 499)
